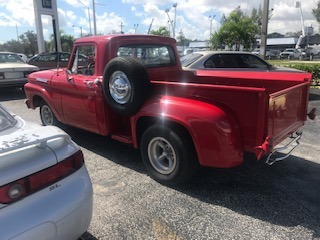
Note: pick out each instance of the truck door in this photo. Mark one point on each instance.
(79, 100)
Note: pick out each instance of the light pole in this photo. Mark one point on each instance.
(211, 19)
(88, 15)
(170, 22)
(175, 20)
(9, 20)
(135, 28)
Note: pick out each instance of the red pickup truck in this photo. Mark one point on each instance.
(133, 89)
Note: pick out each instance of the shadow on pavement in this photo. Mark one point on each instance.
(87, 236)
(314, 94)
(286, 193)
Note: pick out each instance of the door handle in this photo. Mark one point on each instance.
(88, 83)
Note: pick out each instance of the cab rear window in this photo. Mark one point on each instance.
(149, 55)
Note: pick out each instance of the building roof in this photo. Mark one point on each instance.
(280, 41)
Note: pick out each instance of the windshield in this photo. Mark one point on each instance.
(10, 58)
(6, 119)
(189, 59)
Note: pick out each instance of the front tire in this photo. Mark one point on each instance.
(47, 116)
(168, 154)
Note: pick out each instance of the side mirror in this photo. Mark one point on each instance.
(68, 72)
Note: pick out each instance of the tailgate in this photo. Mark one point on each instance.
(287, 111)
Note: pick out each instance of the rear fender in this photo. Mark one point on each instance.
(213, 129)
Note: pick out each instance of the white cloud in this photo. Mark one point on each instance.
(192, 16)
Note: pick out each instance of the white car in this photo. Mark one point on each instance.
(45, 189)
(13, 70)
(23, 57)
(292, 53)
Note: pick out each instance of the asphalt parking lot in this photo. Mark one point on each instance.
(253, 201)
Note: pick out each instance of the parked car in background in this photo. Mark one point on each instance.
(224, 60)
(256, 51)
(273, 54)
(50, 60)
(13, 70)
(292, 53)
(45, 189)
(23, 57)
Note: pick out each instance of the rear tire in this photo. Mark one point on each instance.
(168, 155)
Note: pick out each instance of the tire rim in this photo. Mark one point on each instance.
(46, 115)
(162, 155)
(120, 87)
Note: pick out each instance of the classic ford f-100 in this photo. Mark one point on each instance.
(133, 89)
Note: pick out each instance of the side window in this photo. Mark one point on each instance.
(213, 62)
(84, 60)
(251, 61)
(149, 55)
(47, 58)
(64, 57)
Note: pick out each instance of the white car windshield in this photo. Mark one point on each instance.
(6, 119)
(10, 58)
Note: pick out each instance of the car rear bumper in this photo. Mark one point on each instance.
(13, 82)
(61, 211)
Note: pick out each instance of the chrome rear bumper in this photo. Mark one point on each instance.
(289, 147)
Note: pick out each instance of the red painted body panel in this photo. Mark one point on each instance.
(225, 112)
(214, 130)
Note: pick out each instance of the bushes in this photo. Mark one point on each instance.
(310, 67)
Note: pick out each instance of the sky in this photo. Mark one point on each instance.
(192, 18)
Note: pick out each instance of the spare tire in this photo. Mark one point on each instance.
(125, 85)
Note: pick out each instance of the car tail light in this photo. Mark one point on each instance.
(23, 187)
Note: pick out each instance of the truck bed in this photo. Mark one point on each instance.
(266, 104)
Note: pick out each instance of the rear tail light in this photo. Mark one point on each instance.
(23, 187)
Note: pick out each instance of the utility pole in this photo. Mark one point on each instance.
(150, 26)
(264, 28)
(94, 17)
(121, 26)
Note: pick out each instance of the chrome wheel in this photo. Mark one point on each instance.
(162, 155)
(120, 87)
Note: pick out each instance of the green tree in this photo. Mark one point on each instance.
(316, 12)
(256, 16)
(162, 31)
(66, 42)
(12, 46)
(29, 42)
(236, 30)
(182, 40)
(275, 35)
